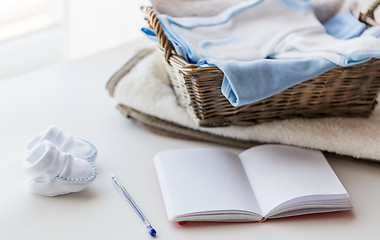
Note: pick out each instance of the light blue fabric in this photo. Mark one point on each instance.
(251, 81)
(274, 75)
(344, 26)
(195, 54)
(298, 4)
(150, 34)
(358, 57)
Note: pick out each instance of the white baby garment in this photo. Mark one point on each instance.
(77, 147)
(53, 172)
(259, 29)
(264, 46)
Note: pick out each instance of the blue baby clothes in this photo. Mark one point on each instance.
(278, 74)
(264, 46)
(344, 26)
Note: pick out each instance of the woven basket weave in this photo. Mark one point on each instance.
(343, 91)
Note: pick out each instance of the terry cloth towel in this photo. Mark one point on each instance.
(142, 89)
(280, 42)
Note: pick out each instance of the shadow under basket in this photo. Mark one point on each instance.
(341, 92)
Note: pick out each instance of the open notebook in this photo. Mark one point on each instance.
(267, 181)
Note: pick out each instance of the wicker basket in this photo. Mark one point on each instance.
(342, 91)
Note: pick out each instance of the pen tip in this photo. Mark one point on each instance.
(152, 232)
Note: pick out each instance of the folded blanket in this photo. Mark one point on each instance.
(143, 90)
(256, 43)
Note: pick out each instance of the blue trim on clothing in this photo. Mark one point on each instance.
(150, 34)
(80, 180)
(93, 155)
(206, 43)
(298, 4)
(223, 17)
(358, 57)
(202, 45)
(344, 26)
(179, 42)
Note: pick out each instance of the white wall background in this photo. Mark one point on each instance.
(78, 28)
(95, 25)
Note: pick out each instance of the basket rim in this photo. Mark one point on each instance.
(169, 51)
(198, 90)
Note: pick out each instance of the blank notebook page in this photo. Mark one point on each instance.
(196, 180)
(279, 173)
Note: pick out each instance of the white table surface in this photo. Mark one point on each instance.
(73, 97)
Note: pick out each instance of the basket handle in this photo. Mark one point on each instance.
(369, 16)
(155, 24)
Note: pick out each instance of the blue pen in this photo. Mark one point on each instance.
(129, 199)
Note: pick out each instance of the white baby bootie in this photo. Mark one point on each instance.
(54, 172)
(77, 147)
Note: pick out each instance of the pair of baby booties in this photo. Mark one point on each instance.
(58, 163)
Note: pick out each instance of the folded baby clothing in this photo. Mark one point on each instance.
(148, 97)
(77, 147)
(344, 26)
(271, 40)
(54, 172)
(334, 14)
